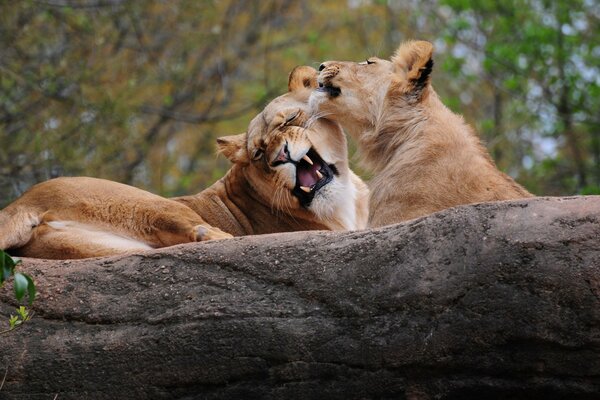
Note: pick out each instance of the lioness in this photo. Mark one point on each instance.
(425, 158)
(284, 177)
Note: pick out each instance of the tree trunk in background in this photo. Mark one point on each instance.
(490, 301)
(565, 113)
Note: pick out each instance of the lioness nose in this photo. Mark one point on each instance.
(283, 156)
(322, 67)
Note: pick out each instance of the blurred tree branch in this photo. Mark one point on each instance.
(82, 4)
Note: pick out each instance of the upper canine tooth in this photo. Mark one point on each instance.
(306, 189)
(319, 174)
(307, 159)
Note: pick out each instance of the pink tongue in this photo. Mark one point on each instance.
(306, 177)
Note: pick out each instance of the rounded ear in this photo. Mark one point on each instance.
(234, 148)
(413, 58)
(302, 77)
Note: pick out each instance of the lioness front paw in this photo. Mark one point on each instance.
(210, 233)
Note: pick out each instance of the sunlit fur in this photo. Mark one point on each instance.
(86, 217)
(424, 157)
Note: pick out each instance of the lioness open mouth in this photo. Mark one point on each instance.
(329, 89)
(312, 173)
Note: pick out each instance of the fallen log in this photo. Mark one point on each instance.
(498, 300)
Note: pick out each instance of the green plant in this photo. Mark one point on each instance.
(22, 284)
(22, 316)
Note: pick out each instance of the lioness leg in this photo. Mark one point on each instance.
(69, 239)
(100, 206)
(153, 220)
(16, 226)
(184, 226)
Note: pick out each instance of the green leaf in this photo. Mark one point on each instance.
(23, 313)
(13, 321)
(7, 266)
(511, 83)
(20, 285)
(31, 291)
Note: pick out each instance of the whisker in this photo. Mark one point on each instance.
(275, 202)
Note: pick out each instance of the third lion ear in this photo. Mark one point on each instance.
(302, 77)
(414, 61)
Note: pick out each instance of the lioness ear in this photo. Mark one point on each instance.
(233, 147)
(302, 77)
(413, 58)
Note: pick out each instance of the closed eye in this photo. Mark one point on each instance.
(257, 154)
(291, 117)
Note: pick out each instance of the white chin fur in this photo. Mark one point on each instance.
(335, 205)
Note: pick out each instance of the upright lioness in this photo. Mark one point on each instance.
(424, 157)
(284, 177)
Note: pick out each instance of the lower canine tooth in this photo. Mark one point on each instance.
(306, 189)
(320, 175)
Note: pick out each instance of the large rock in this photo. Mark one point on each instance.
(485, 301)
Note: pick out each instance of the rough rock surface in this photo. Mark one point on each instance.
(490, 301)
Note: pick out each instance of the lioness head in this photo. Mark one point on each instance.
(354, 93)
(295, 162)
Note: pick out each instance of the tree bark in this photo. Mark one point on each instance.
(488, 301)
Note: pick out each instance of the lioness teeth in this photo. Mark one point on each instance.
(319, 174)
(306, 189)
(307, 159)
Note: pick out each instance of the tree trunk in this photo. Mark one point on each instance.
(565, 112)
(489, 301)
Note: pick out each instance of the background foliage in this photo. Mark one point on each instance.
(137, 91)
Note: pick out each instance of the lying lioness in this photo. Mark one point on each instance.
(284, 177)
(425, 158)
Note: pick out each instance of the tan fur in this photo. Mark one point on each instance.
(259, 195)
(87, 217)
(425, 158)
(59, 219)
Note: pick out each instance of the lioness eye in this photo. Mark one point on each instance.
(257, 154)
(291, 117)
(369, 62)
